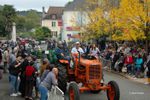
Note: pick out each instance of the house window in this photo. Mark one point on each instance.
(53, 17)
(53, 24)
(54, 33)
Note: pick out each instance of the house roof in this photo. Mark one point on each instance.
(58, 11)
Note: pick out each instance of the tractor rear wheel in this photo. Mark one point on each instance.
(62, 77)
(113, 93)
(73, 91)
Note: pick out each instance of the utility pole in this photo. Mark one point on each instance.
(146, 7)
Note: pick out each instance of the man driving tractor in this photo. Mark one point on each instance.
(77, 48)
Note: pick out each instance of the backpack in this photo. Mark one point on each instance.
(29, 71)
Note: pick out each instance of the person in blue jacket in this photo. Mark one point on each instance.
(138, 65)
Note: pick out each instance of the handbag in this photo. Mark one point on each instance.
(124, 69)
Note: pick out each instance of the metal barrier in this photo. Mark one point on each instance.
(105, 63)
(56, 94)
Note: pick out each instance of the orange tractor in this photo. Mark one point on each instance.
(86, 71)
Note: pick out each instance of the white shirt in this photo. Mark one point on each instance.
(75, 50)
(94, 52)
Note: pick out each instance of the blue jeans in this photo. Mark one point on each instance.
(130, 69)
(43, 91)
(14, 83)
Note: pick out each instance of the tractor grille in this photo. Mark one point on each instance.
(94, 72)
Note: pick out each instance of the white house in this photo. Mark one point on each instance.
(73, 20)
(53, 20)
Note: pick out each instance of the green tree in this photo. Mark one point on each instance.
(9, 15)
(2, 27)
(42, 33)
(32, 20)
(20, 23)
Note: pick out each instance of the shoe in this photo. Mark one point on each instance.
(146, 83)
(18, 93)
(13, 95)
(30, 98)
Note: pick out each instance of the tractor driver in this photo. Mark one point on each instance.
(77, 49)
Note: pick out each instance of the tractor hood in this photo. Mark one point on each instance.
(89, 62)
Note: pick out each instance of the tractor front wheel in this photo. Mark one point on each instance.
(73, 91)
(113, 93)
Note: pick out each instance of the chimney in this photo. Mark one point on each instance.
(43, 12)
(43, 9)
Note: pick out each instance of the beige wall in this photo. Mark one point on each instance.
(48, 23)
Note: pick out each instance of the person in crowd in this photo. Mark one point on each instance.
(24, 64)
(88, 47)
(108, 54)
(46, 71)
(30, 80)
(46, 84)
(129, 63)
(119, 63)
(1, 64)
(12, 58)
(1, 56)
(64, 44)
(37, 76)
(60, 53)
(126, 49)
(77, 48)
(45, 63)
(94, 51)
(6, 59)
(138, 65)
(14, 72)
(147, 66)
(16, 49)
(115, 59)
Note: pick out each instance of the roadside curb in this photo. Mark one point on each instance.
(139, 80)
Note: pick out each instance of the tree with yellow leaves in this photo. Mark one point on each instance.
(97, 22)
(132, 20)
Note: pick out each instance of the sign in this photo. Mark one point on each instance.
(73, 28)
(69, 35)
(59, 22)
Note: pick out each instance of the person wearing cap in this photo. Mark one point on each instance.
(77, 48)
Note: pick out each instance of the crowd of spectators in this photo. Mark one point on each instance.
(28, 68)
(127, 58)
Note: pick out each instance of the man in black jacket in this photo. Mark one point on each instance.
(23, 66)
(14, 71)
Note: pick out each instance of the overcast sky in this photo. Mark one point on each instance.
(34, 4)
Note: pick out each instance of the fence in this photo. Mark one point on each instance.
(56, 94)
(106, 63)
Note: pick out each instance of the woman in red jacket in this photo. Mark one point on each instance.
(129, 63)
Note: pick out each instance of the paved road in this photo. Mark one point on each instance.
(129, 90)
